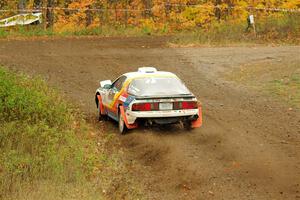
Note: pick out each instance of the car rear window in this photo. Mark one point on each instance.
(157, 86)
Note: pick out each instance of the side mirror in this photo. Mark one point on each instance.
(105, 84)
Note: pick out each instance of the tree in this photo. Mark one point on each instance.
(50, 13)
(37, 4)
(218, 10)
(22, 5)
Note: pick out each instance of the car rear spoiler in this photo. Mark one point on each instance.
(164, 97)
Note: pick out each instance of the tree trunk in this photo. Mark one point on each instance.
(66, 4)
(218, 10)
(148, 6)
(22, 6)
(37, 4)
(89, 16)
(167, 10)
(126, 13)
(2, 4)
(50, 14)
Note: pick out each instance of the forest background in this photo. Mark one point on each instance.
(190, 20)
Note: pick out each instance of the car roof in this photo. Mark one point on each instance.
(140, 74)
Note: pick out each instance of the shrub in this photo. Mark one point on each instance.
(39, 136)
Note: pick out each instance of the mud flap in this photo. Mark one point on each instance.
(129, 126)
(198, 123)
(101, 104)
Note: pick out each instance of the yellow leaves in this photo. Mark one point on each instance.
(81, 4)
(197, 16)
(260, 5)
(148, 24)
(291, 4)
(242, 4)
(223, 6)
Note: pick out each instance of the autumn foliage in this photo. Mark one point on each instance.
(151, 15)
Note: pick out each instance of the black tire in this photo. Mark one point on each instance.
(121, 124)
(100, 116)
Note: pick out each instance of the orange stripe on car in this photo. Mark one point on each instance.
(198, 123)
(129, 126)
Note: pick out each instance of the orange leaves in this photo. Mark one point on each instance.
(291, 4)
(156, 14)
(75, 19)
(81, 4)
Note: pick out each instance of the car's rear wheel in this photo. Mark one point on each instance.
(122, 126)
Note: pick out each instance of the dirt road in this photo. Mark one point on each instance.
(248, 147)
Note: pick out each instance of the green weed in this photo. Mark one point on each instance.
(38, 137)
(47, 151)
(105, 30)
(287, 89)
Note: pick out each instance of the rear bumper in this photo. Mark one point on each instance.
(133, 115)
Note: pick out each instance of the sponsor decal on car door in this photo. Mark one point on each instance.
(113, 95)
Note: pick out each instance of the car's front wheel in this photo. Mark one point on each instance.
(100, 116)
(122, 126)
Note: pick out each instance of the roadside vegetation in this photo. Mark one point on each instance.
(287, 88)
(284, 29)
(47, 150)
(105, 31)
(280, 80)
(280, 29)
(187, 22)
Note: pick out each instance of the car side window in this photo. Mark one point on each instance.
(118, 84)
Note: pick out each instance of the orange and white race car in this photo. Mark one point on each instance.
(148, 96)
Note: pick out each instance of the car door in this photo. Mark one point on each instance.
(114, 90)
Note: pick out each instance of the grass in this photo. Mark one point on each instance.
(37, 138)
(47, 151)
(104, 31)
(277, 29)
(279, 80)
(288, 89)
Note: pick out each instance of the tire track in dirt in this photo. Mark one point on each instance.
(237, 154)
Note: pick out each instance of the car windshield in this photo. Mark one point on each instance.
(157, 86)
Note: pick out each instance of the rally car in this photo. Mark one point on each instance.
(150, 97)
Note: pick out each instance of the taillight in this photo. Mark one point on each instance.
(177, 105)
(142, 107)
(155, 106)
(189, 105)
